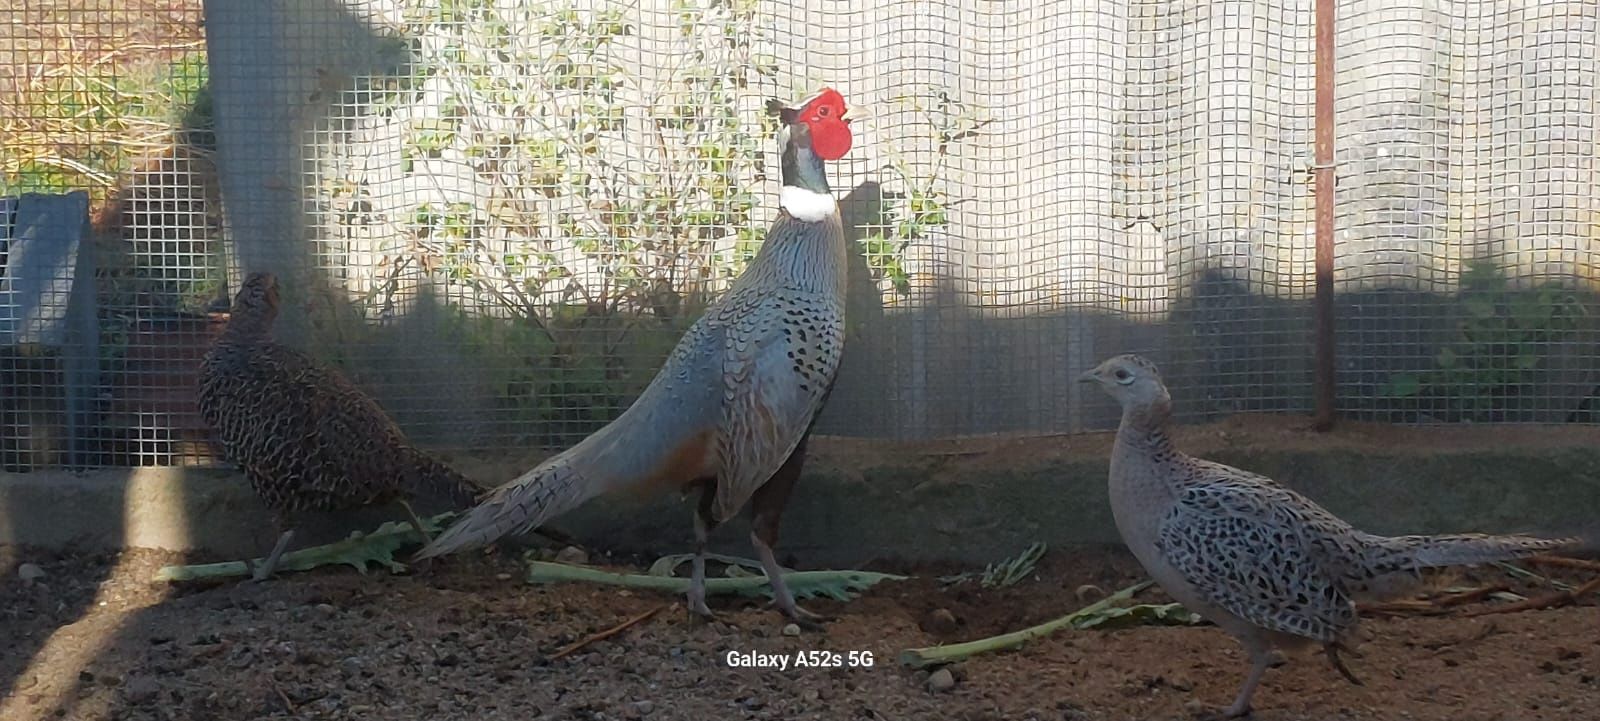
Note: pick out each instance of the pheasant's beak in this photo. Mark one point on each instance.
(1087, 377)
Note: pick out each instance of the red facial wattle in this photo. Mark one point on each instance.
(830, 140)
(830, 132)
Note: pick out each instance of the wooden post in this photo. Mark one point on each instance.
(1326, 368)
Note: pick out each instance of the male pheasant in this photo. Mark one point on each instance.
(732, 408)
(305, 437)
(1264, 563)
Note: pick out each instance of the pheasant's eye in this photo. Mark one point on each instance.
(1123, 376)
(824, 111)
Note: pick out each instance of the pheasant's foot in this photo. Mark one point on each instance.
(699, 610)
(782, 597)
(697, 594)
(1333, 650)
(256, 570)
(807, 620)
(264, 571)
(1261, 655)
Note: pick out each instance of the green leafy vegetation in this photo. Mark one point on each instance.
(920, 208)
(360, 551)
(1499, 345)
(584, 208)
(1005, 573)
(1105, 613)
(837, 585)
(85, 125)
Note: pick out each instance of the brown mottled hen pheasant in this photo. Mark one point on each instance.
(732, 408)
(305, 436)
(1264, 563)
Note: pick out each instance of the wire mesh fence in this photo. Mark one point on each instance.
(497, 217)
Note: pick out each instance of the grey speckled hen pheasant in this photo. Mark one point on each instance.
(732, 408)
(305, 437)
(1264, 563)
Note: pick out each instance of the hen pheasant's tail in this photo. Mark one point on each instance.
(516, 507)
(437, 479)
(1464, 549)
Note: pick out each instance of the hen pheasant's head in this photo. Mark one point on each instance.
(257, 300)
(1131, 380)
(818, 121)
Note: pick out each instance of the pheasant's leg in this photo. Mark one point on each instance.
(781, 595)
(767, 507)
(416, 521)
(697, 578)
(1261, 657)
(264, 571)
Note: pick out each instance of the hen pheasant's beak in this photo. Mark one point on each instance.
(1087, 377)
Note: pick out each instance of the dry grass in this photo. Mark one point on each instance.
(89, 86)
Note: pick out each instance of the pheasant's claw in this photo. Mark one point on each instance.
(1333, 650)
(698, 610)
(806, 620)
(258, 573)
(811, 623)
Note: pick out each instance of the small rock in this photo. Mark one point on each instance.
(572, 555)
(941, 681)
(1089, 592)
(1196, 708)
(643, 708)
(29, 572)
(141, 690)
(792, 629)
(1180, 683)
(502, 576)
(940, 620)
(326, 609)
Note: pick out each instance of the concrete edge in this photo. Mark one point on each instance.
(975, 500)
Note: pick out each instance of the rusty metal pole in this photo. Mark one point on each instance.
(1324, 179)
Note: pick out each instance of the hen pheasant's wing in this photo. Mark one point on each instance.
(1259, 551)
(780, 355)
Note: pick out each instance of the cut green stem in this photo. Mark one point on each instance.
(359, 551)
(939, 655)
(839, 585)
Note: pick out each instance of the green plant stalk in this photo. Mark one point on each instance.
(938, 655)
(1014, 570)
(805, 584)
(358, 551)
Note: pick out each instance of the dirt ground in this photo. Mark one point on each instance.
(93, 639)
